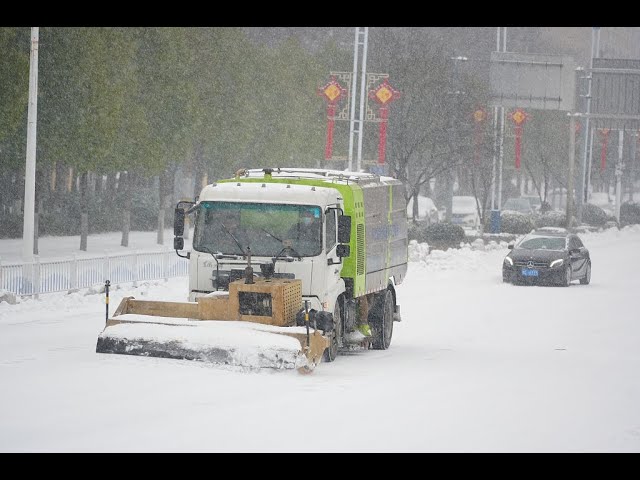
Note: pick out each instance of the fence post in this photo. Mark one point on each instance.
(73, 274)
(136, 266)
(1, 277)
(165, 267)
(36, 278)
(106, 269)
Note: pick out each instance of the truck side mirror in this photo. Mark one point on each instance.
(178, 243)
(344, 229)
(178, 222)
(343, 251)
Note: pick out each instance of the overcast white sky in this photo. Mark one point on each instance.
(475, 366)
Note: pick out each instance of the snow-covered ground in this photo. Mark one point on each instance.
(475, 366)
(97, 244)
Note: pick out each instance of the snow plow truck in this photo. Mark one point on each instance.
(288, 267)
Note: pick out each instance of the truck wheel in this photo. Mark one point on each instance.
(331, 352)
(381, 321)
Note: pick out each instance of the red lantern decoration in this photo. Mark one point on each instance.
(332, 92)
(384, 94)
(518, 116)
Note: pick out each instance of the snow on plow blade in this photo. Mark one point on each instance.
(226, 343)
(215, 330)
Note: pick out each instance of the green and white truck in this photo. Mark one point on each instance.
(321, 250)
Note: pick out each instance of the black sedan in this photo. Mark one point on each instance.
(552, 256)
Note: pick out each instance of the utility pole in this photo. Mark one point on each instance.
(590, 156)
(361, 38)
(583, 191)
(501, 152)
(453, 131)
(572, 159)
(498, 117)
(352, 113)
(30, 166)
(619, 169)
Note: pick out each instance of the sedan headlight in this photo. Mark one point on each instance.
(556, 263)
(508, 261)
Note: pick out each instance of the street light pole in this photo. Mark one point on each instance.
(590, 156)
(572, 157)
(583, 192)
(619, 169)
(501, 152)
(30, 166)
(363, 82)
(352, 128)
(498, 113)
(352, 113)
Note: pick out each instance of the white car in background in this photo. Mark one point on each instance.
(427, 210)
(464, 212)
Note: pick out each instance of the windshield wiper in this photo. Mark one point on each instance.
(287, 248)
(271, 234)
(234, 239)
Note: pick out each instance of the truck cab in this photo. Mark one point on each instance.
(292, 227)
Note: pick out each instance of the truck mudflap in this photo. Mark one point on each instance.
(222, 342)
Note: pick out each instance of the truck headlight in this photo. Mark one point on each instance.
(556, 263)
(508, 261)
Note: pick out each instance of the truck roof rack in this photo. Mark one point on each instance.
(311, 173)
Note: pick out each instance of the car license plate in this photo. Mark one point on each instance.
(529, 272)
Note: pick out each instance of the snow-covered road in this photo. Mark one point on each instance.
(475, 366)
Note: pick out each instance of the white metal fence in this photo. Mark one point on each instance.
(48, 276)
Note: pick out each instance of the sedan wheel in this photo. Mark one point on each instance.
(587, 276)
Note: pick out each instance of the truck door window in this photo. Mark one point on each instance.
(331, 229)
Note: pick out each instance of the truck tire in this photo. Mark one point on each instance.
(381, 321)
(331, 352)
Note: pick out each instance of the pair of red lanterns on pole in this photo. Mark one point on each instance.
(383, 94)
(518, 117)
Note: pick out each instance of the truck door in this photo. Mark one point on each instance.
(334, 263)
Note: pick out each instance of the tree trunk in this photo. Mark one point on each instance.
(53, 177)
(5, 191)
(125, 193)
(84, 212)
(70, 179)
(164, 200)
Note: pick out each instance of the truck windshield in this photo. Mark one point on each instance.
(231, 227)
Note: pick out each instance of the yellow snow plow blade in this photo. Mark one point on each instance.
(253, 325)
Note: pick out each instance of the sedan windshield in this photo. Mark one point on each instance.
(231, 227)
(542, 243)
